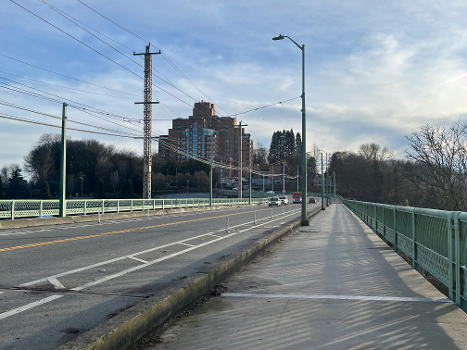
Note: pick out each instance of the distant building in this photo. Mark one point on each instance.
(206, 135)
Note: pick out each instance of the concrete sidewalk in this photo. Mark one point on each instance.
(332, 285)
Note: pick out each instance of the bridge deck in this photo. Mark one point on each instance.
(333, 285)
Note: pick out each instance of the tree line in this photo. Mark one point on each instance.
(96, 170)
(433, 175)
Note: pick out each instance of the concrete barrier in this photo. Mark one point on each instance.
(125, 329)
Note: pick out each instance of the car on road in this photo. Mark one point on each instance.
(312, 200)
(275, 202)
(297, 197)
(270, 192)
(284, 200)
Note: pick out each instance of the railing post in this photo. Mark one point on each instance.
(40, 209)
(375, 222)
(163, 205)
(457, 257)
(85, 205)
(153, 204)
(384, 222)
(12, 210)
(131, 205)
(395, 229)
(103, 206)
(414, 241)
(450, 258)
(118, 205)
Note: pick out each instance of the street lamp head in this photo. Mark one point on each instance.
(279, 37)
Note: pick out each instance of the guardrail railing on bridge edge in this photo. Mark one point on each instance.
(435, 240)
(12, 209)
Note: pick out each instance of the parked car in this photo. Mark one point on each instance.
(284, 200)
(275, 202)
(312, 200)
(270, 192)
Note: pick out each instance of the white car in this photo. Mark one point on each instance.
(275, 202)
(284, 200)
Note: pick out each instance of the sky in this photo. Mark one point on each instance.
(376, 71)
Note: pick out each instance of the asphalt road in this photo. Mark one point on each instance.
(59, 281)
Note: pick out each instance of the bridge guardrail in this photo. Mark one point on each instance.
(435, 240)
(13, 209)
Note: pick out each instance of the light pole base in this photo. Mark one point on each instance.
(305, 223)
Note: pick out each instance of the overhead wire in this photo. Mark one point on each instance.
(85, 110)
(97, 51)
(112, 21)
(26, 120)
(67, 76)
(78, 23)
(216, 164)
(164, 55)
(12, 105)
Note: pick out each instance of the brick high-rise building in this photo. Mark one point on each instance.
(206, 135)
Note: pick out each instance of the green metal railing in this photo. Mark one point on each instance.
(13, 209)
(435, 240)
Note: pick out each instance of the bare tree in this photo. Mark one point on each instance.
(442, 153)
(260, 154)
(373, 151)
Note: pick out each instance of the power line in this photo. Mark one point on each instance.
(64, 86)
(97, 110)
(66, 76)
(11, 105)
(262, 107)
(215, 164)
(168, 60)
(30, 121)
(89, 111)
(97, 51)
(112, 21)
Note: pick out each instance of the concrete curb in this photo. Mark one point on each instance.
(34, 222)
(125, 329)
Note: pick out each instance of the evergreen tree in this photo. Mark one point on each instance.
(298, 143)
(17, 185)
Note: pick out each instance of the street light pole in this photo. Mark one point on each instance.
(62, 189)
(322, 183)
(304, 220)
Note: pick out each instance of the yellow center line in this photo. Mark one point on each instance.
(78, 238)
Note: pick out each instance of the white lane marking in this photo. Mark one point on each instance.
(187, 244)
(28, 284)
(136, 268)
(137, 259)
(214, 235)
(17, 310)
(336, 297)
(106, 222)
(72, 271)
(56, 283)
